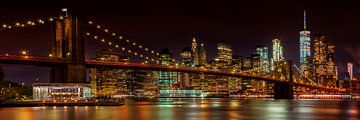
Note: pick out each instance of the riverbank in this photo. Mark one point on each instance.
(62, 103)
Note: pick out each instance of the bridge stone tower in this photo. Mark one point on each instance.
(68, 44)
(283, 71)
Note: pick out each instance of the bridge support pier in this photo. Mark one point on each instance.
(283, 71)
(283, 91)
(68, 44)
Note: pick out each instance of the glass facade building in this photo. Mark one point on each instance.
(61, 91)
(305, 44)
(277, 52)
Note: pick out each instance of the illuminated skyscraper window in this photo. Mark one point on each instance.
(224, 53)
(277, 52)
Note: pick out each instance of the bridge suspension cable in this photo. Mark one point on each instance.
(122, 38)
(303, 76)
(29, 23)
(113, 43)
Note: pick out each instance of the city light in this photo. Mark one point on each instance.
(122, 67)
(24, 52)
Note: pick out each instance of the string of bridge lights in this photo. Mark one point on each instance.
(29, 23)
(120, 37)
(122, 48)
(258, 69)
(302, 75)
(23, 24)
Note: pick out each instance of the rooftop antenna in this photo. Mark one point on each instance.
(304, 20)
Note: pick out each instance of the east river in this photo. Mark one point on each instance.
(194, 109)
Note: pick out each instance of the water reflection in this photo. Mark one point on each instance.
(193, 109)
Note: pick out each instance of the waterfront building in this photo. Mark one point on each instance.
(165, 78)
(182, 93)
(234, 85)
(168, 80)
(61, 91)
(135, 82)
(108, 82)
(305, 45)
(151, 84)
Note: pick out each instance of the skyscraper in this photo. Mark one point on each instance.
(165, 77)
(324, 61)
(331, 70)
(224, 53)
(186, 57)
(320, 58)
(202, 55)
(195, 53)
(263, 51)
(305, 44)
(108, 82)
(277, 52)
(350, 70)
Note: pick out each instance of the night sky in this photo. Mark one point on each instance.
(171, 24)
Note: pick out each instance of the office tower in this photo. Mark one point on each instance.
(108, 82)
(325, 69)
(186, 57)
(350, 70)
(332, 74)
(224, 53)
(305, 45)
(135, 82)
(165, 77)
(165, 57)
(237, 62)
(263, 51)
(151, 84)
(320, 61)
(195, 53)
(202, 55)
(277, 52)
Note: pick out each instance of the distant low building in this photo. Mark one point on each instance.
(61, 91)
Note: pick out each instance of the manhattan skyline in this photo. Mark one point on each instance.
(243, 24)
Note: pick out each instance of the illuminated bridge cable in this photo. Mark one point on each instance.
(122, 38)
(303, 76)
(121, 48)
(29, 23)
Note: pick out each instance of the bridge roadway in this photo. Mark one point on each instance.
(48, 61)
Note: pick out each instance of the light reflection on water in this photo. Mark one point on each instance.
(193, 109)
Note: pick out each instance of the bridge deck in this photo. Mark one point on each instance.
(46, 61)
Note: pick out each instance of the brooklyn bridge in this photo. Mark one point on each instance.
(68, 62)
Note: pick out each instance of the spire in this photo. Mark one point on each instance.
(304, 20)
